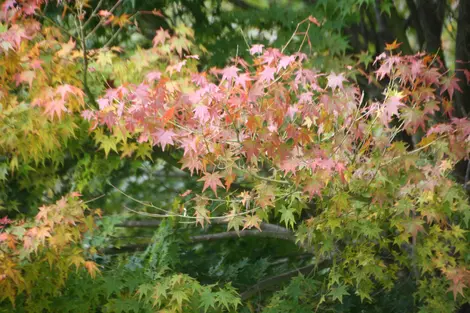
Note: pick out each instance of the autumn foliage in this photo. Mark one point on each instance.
(363, 183)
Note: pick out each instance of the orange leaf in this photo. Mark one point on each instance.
(92, 268)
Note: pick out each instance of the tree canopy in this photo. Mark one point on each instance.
(234, 156)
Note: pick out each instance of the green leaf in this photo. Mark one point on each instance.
(338, 292)
(227, 297)
(287, 216)
(207, 299)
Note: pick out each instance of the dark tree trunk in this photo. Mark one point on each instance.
(431, 18)
(462, 57)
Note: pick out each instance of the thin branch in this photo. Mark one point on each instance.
(467, 177)
(155, 223)
(102, 20)
(110, 41)
(414, 151)
(93, 14)
(87, 90)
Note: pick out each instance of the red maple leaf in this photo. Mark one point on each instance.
(212, 180)
(251, 149)
(449, 84)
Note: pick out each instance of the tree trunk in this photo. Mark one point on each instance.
(462, 57)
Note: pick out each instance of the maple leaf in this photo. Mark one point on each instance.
(246, 197)
(252, 221)
(180, 44)
(26, 76)
(104, 13)
(9, 4)
(287, 216)
(413, 118)
(178, 66)
(457, 278)
(55, 107)
(153, 76)
(92, 268)
(267, 75)
(449, 84)
(440, 129)
(168, 115)
(212, 180)
(42, 233)
(391, 106)
(242, 79)
(229, 73)
(107, 143)
(314, 20)
(338, 292)
(66, 49)
(313, 187)
(285, 61)
(290, 165)
(256, 49)
(65, 90)
(201, 214)
(189, 144)
(5, 220)
(164, 137)
(335, 81)
(201, 113)
(121, 20)
(191, 163)
(251, 149)
(392, 46)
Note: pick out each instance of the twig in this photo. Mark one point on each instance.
(102, 20)
(93, 14)
(155, 223)
(88, 92)
(94, 199)
(467, 176)
(112, 38)
(414, 151)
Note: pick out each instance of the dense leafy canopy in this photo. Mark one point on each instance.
(295, 176)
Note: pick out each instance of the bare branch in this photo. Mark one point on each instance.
(156, 223)
(209, 237)
(243, 233)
